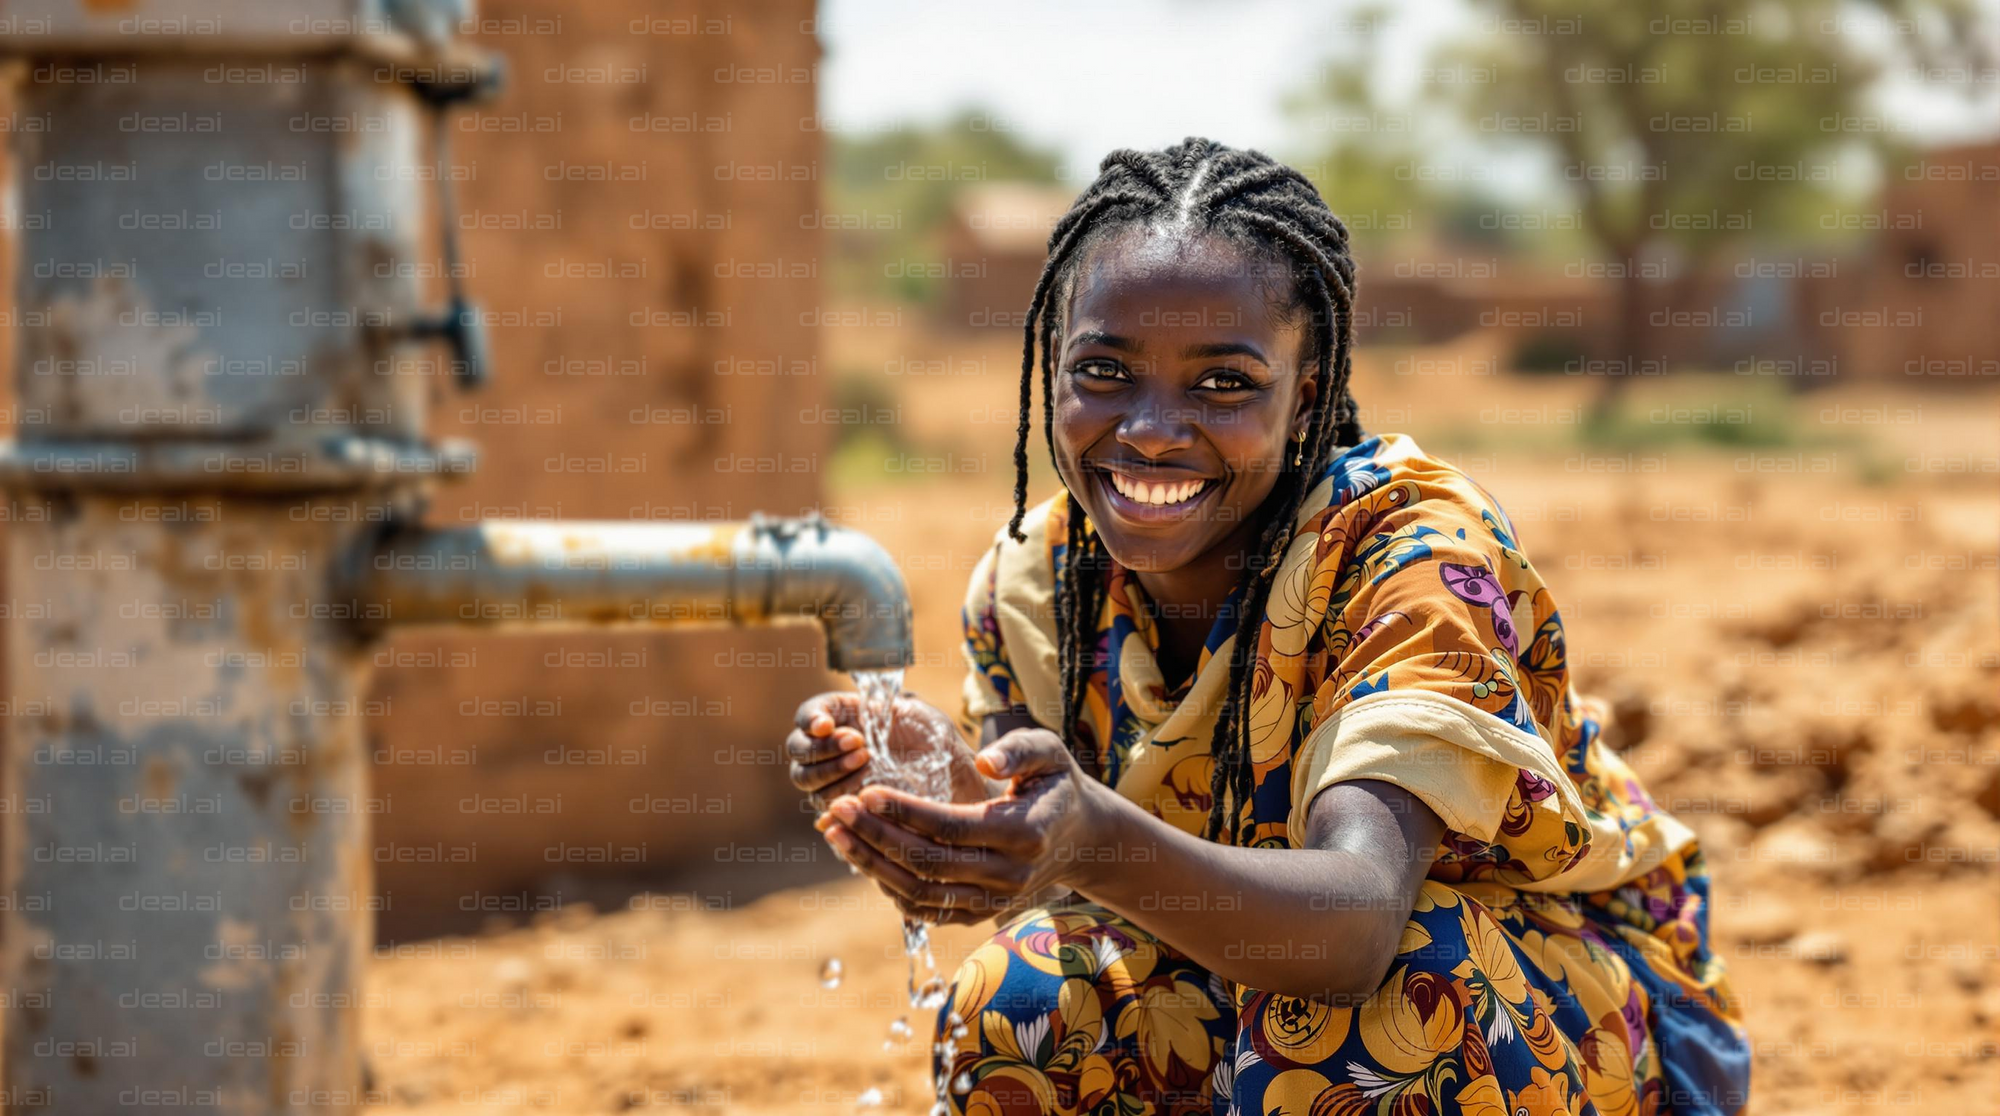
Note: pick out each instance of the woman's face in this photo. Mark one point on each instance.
(1178, 394)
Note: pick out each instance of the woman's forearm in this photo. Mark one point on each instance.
(1319, 923)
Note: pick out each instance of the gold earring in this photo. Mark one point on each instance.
(1300, 457)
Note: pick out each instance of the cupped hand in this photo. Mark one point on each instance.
(829, 755)
(963, 863)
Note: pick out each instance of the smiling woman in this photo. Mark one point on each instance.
(1284, 796)
(1175, 417)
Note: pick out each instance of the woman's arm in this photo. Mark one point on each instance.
(1320, 922)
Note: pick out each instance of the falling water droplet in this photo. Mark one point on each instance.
(899, 1032)
(869, 1099)
(962, 1083)
(829, 973)
(932, 994)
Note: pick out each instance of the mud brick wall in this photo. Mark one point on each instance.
(631, 217)
(1921, 311)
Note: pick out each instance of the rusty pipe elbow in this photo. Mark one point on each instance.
(840, 576)
(606, 573)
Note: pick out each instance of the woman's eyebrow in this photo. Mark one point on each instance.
(1108, 340)
(1225, 348)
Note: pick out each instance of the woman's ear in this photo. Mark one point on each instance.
(1307, 395)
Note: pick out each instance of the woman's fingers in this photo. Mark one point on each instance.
(1023, 753)
(897, 878)
(820, 763)
(975, 825)
(822, 777)
(926, 858)
(819, 714)
(805, 747)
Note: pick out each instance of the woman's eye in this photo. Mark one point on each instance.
(1228, 381)
(1100, 370)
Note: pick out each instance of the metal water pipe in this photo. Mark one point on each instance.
(214, 504)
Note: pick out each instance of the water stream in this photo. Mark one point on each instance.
(924, 771)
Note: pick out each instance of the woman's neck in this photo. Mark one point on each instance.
(1187, 600)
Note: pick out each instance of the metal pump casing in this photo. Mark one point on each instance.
(215, 496)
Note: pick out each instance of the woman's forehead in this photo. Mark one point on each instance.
(1142, 281)
(1151, 253)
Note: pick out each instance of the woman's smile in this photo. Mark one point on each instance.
(1147, 499)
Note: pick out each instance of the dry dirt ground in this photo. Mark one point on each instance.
(1800, 641)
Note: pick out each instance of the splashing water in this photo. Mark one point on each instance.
(878, 709)
(925, 772)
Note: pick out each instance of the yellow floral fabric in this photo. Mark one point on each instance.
(1558, 958)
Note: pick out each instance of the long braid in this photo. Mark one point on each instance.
(1079, 609)
(1252, 198)
(1232, 776)
(1061, 242)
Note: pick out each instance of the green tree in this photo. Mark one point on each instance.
(891, 192)
(1675, 128)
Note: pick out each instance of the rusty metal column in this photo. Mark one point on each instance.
(221, 205)
(215, 499)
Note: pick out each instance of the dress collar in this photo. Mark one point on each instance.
(1129, 642)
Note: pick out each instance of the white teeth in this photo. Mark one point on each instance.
(1156, 494)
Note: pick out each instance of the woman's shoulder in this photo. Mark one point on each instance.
(1044, 530)
(1009, 618)
(1390, 482)
(1021, 572)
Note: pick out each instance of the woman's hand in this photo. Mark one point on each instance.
(965, 863)
(830, 756)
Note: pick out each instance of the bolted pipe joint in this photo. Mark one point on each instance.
(611, 573)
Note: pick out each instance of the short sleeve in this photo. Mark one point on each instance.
(990, 686)
(1421, 685)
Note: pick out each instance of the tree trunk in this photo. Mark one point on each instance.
(1630, 332)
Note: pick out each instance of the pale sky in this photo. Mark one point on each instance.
(1085, 76)
(1082, 76)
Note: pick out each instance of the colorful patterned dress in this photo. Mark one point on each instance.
(1557, 958)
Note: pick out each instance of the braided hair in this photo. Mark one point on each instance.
(1198, 186)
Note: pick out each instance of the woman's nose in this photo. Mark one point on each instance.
(1155, 430)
